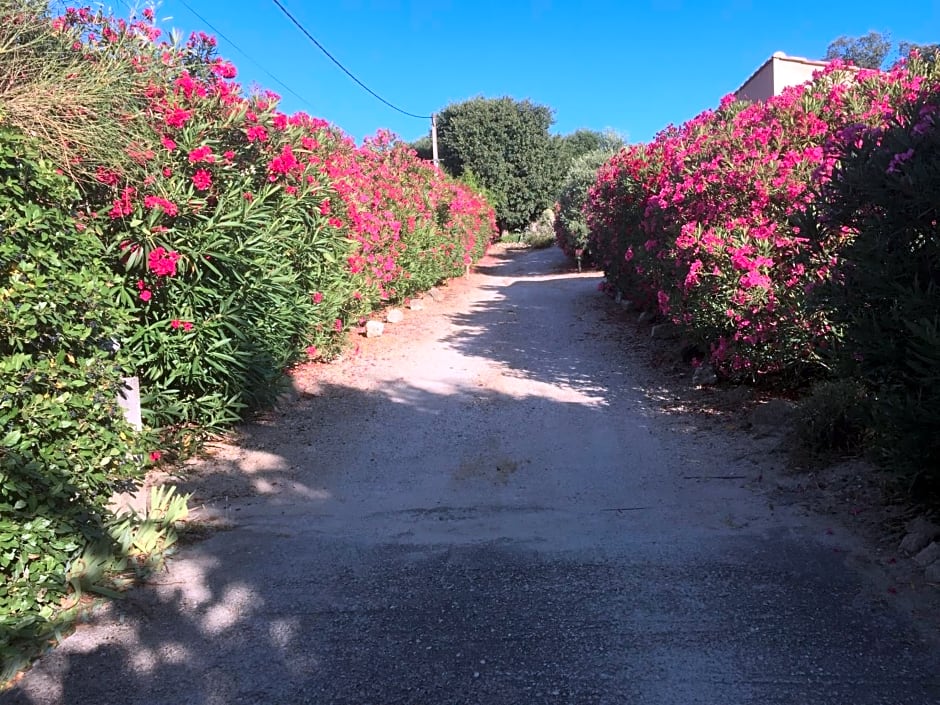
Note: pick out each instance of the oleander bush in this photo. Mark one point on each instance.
(714, 223)
(159, 222)
(885, 300)
(255, 238)
(796, 240)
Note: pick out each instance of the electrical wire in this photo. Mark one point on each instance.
(133, 10)
(343, 68)
(246, 55)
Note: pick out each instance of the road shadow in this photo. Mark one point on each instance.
(387, 545)
(232, 609)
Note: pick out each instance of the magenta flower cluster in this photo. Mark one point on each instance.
(713, 224)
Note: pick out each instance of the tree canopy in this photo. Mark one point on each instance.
(583, 141)
(423, 147)
(868, 51)
(506, 146)
(872, 50)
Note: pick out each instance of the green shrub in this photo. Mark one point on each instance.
(571, 229)
(507, 146)
(64, 446)
(78, 105)
(540, 233)
(835, 418)
(582, 142)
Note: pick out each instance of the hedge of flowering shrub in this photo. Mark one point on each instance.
(255, 238)
(714, 223)
(223, 242)
(885, 301)
(798, 238)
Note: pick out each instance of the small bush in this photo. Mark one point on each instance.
(571, 228)
(541, 233)
(834, 419)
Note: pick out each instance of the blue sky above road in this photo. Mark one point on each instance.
(633, 67)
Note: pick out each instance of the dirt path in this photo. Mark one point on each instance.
(485, 506)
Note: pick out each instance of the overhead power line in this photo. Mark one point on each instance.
(344, 69)
(133, 10)
(247, 56)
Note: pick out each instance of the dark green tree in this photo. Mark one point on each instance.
(505, 143)
(929, 52)
(423, 147)
(573, 146)
(581, 142)
(868, 51)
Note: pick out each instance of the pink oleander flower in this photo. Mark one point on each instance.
(177, 117)
(201, 154)
(202, 179)
(168, 207)
(162, 262)
(256, 133)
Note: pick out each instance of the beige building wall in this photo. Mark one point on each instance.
(760, 85)
(778, 72)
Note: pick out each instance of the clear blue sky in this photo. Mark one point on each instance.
(633, 66)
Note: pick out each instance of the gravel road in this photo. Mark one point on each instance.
(486, 506)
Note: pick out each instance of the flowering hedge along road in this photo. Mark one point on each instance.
(714, 224)
(256, 238)
(227, 242)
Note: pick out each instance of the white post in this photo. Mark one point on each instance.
(437, 163)
(129, 400)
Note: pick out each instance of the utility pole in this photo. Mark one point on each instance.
(437, 162)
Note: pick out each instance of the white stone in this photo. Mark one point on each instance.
(416, 305)
(374, 329)
(394, 315)
(929, 555)
(933, 572)
(704, 375)
(920, 533)
(129, 400)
